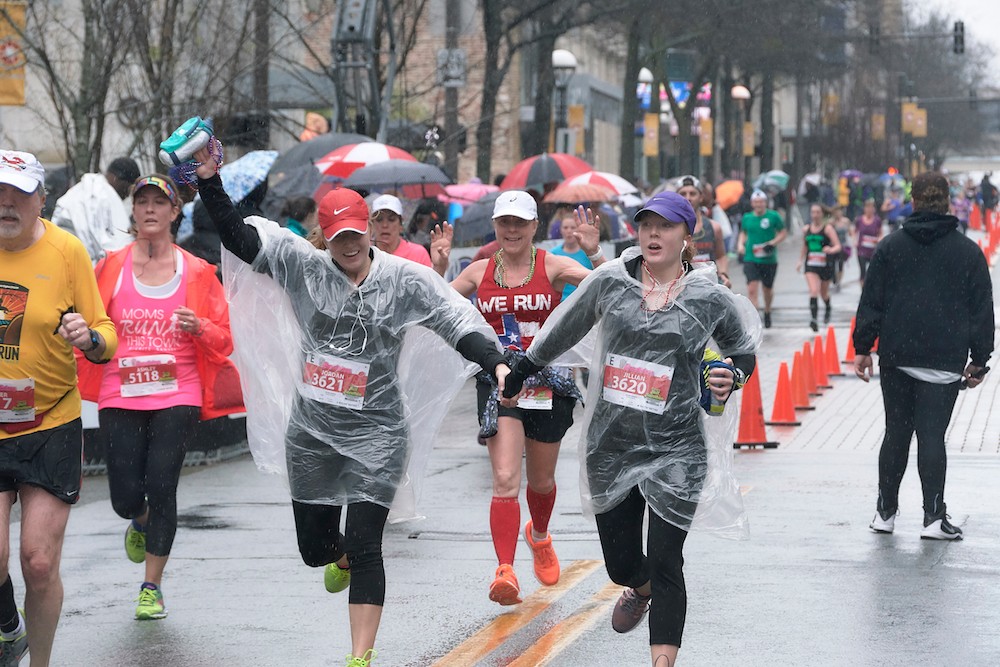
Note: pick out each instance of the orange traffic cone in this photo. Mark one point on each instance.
(819, 364)
(800, 395)
(752, 432)
(975, 221)
(810, 374)
(783, 412)
(832, 358)
(849, 358)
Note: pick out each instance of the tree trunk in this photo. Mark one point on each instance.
(493, 76)
(537, 140)
(626, 162)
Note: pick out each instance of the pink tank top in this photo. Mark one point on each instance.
(154, 367)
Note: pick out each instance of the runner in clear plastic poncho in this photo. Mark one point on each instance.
(340, 380)
(646, 439)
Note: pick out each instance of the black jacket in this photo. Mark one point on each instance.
(927, 298)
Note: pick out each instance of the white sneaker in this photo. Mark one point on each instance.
(884, 526)
(941, 529)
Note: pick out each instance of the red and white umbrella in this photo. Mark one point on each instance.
(342, 162)
(604, 179)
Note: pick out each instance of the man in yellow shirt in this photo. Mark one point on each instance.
(49, 304)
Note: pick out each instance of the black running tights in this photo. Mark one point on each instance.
(320, 542)
(145, 452)
(620, 529)
(924, 407)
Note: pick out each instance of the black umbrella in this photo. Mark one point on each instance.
(413, 180)
(309, 151)
(300, 181)
(476, 221)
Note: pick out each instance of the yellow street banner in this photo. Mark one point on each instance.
(749, 140)
(575, 119)
(706, 137)
(12, 56)
(909, 115)
(878, 127)
(651, 135)
(920, 123)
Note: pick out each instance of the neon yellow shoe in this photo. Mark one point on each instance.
(12, 650)
(135, 544)
(150, 604)
(336, 578)
(364, 661)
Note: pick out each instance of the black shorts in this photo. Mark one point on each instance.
(764, 273)
(824, 272)
(540, 425)
(51, 459)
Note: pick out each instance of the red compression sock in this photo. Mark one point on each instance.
(505, 525)
(540, 505)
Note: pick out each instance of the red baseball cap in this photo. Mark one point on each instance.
(342, 210)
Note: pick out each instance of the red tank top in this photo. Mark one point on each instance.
(517, 313)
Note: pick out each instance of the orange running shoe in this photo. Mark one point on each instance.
(505, 590)
(546, 562)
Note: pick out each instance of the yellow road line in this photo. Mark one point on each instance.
(486, 640)
(564, 633)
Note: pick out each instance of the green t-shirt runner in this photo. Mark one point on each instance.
(760, 230)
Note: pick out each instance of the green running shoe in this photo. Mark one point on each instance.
(12, 650)
(364, 661)
(135, 544)
(336, 579)
(150, 605)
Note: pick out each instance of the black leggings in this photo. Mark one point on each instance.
(863, 263)
(620, 529)
(320, 542)
(924, 407)
(145, 452)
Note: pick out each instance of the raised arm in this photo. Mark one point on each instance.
(240, 239)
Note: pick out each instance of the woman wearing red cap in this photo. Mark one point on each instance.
(171, 369)
(516, 289)
(326, 356)
(646, 441)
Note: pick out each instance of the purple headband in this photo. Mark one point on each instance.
(672, 207)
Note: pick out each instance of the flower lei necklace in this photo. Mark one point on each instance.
(500, 274)
(644, 304)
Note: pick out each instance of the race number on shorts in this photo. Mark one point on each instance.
(335, 381)
(536, 398)
(148, 375)
(17, 401)
(816, 259)
(637, 384)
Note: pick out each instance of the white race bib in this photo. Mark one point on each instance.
(637, 384)
(816, 259)
(17, 401)
(335, 381)
(536, 398)
(144, 376)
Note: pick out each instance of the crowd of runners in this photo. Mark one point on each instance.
(149, 335)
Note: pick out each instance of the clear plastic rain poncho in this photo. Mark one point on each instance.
(345, 385)
(643, 424)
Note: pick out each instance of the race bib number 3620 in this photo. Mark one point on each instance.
(637, 384)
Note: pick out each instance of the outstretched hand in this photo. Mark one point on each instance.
(441, 238)
(588, 232)
(207, 168)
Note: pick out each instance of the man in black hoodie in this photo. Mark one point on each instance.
(929, 301)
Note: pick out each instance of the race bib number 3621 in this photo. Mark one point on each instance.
(335, 381)
(637, 384)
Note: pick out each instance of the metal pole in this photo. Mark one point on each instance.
(453, 11)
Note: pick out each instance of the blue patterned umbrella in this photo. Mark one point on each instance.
(240, 177)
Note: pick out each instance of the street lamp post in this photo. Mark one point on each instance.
(741, 94)
(645, 103)
(563, 67)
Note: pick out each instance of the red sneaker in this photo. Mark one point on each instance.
(505, 590)
(546, 562)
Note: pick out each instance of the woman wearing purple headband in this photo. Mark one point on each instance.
(646, 440)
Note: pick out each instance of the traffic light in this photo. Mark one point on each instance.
(958, 33)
